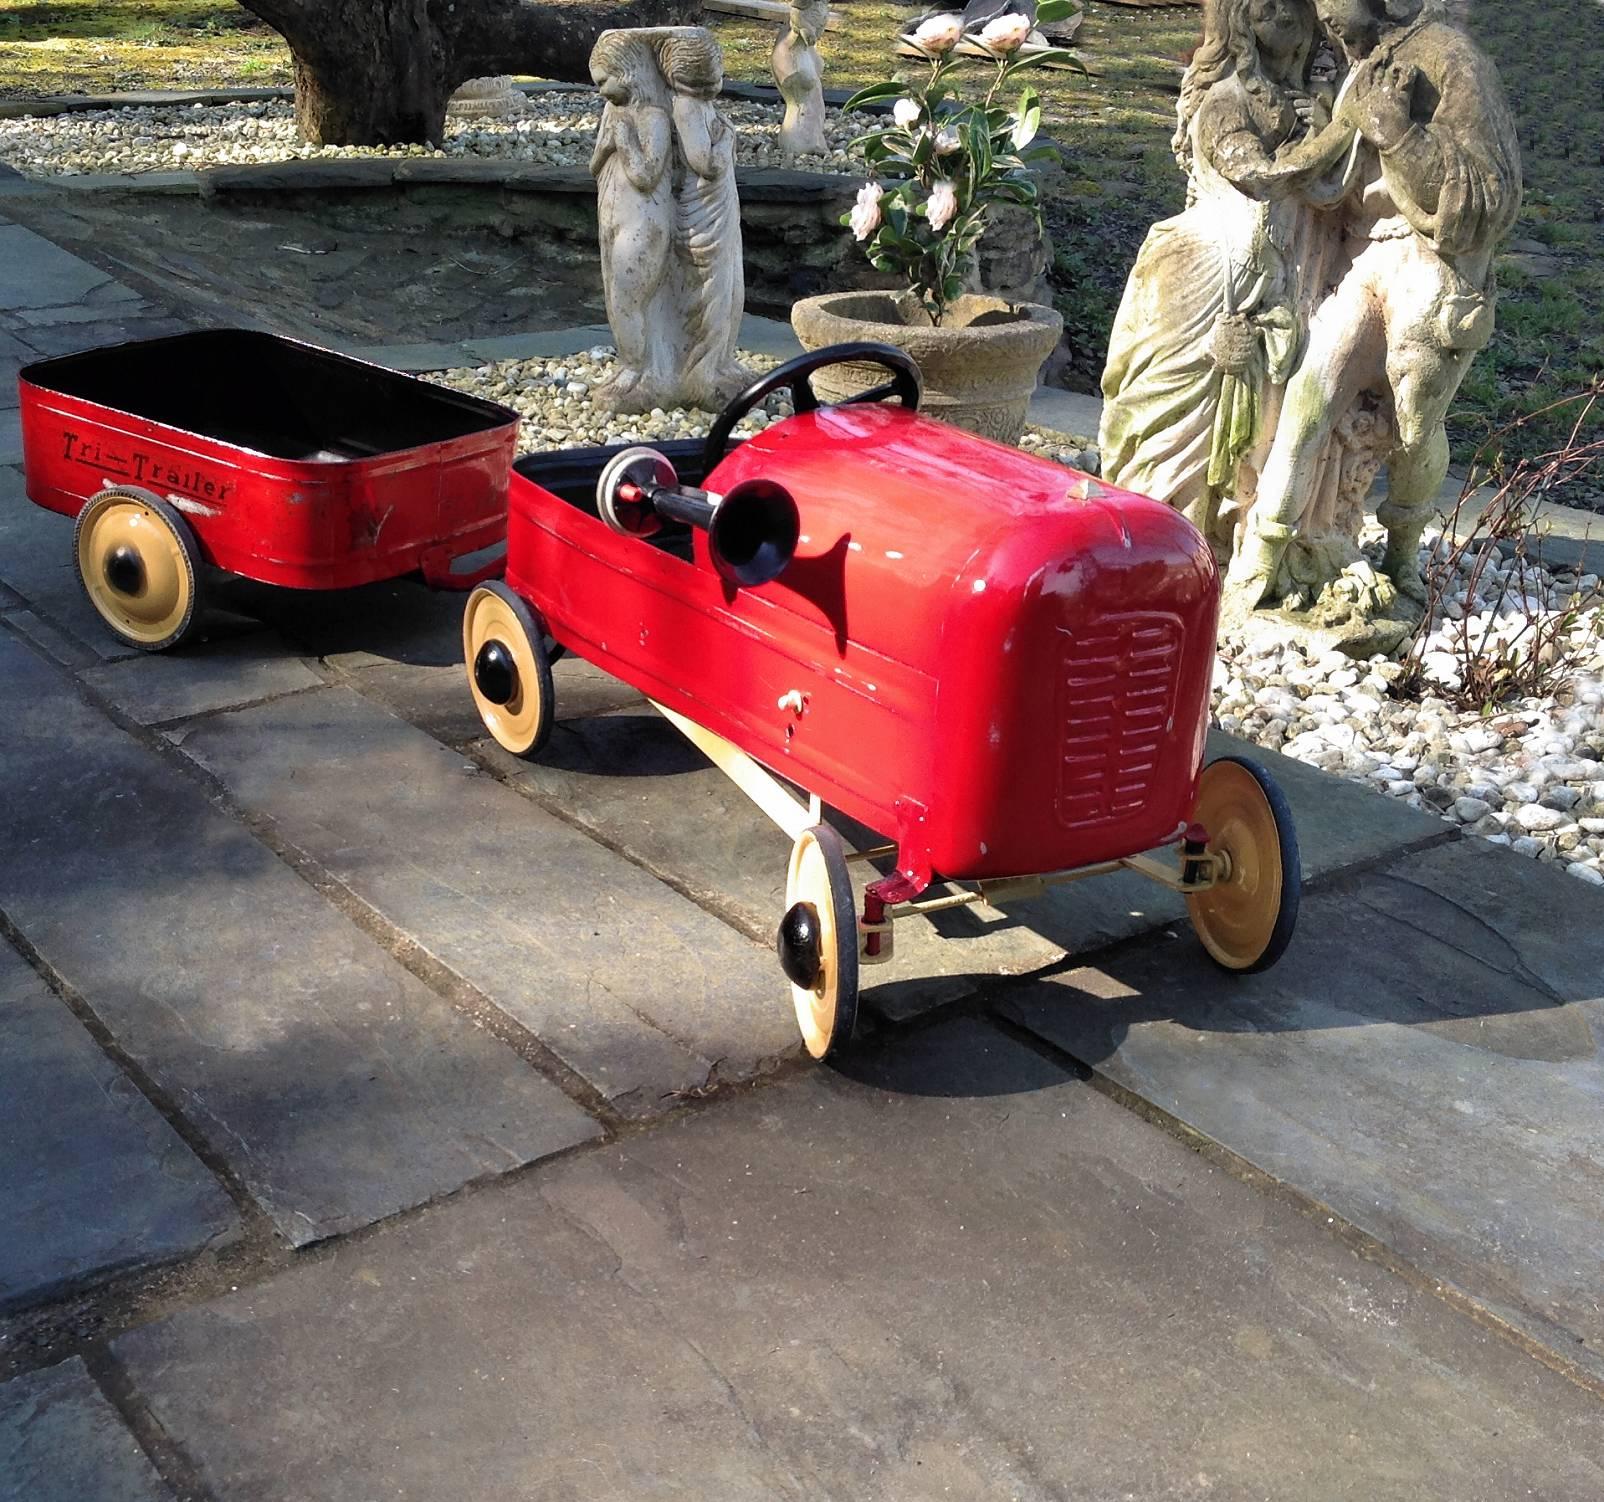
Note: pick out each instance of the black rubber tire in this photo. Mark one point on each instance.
(1291, 894)
(189, 552)
(844, 925)
(527, 742)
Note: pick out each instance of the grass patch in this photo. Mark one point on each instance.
(1550, 339)
(102, 46)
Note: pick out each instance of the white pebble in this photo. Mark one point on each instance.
(1534, 816)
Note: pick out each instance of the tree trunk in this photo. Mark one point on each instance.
(379, 72)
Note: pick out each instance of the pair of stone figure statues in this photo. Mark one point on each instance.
(1351, 167)
(669, 219)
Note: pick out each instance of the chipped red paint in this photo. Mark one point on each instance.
(329, 522)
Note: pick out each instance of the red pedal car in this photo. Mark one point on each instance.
(262, 457)
(1001, 665)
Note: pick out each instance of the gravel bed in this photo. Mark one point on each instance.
(1529, 775)
(555, 130)
(553, 398)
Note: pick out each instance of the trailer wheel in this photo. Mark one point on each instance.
(1246, 920)
(818, 940)
(509, 668)
(140, 566)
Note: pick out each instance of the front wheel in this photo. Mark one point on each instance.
(1246, 916)
(818, 940)
(509, 669)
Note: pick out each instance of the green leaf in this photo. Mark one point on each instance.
(1047, 151)
(874, 91)
(1049, 55)
(1055, 10)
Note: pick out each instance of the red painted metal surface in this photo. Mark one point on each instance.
(1001, 664)
(293, 465)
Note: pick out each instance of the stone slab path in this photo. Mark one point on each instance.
(1426, 1061)
(951, 1270)
(61, 1441)
(92, 1179)
(335, 1085)
(634, 987)
(632, 780)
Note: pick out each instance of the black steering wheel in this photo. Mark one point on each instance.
(793, 375)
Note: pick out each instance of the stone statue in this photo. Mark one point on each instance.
(487, 98)
(1310, 315)
(1422, 158)
(1210, 322)
(669, 219)
(799, 75)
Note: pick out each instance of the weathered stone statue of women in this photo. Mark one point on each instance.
(632, 164)
(1214, 310)
(799, 75)
(1428, 166)
(707, 220)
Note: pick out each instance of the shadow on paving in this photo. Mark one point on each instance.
(630, 778)
(1425, 1060)
(963, 1274)
(335, 1085)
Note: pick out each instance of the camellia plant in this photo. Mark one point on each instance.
(940, 165)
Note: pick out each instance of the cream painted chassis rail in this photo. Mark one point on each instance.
(794, 816)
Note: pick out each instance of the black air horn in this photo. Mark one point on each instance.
(751, 532)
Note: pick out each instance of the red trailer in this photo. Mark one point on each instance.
(260, 456)
(1001, 665)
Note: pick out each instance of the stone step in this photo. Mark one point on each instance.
(335, 1084)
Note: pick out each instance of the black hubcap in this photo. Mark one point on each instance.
(799, 944)
(495, 672)
(124, 570)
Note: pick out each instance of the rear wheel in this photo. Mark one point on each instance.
(1246, 917)
(141, 568)
(509, 668)
(818, 940)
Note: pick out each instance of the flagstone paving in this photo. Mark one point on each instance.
(636, 988)
(336, 1085)
(321, 960)
(1426, 1061)
(951, 1269)
(92, 1179)
(61, 1441)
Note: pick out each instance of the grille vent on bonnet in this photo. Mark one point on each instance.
(1117, 688)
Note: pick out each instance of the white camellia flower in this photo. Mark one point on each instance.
(866, 211)
(947, 140)
(906, 113)
(1005, 34)
(939, 33)
(942, 206)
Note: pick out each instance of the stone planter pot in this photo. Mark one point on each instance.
(979, 367)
